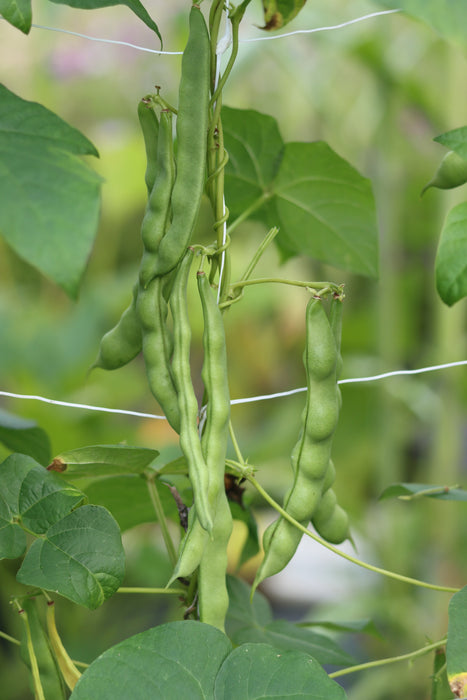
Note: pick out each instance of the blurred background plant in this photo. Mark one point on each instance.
(378, 92)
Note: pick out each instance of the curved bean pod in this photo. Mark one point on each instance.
(150, 127)
(123, 342)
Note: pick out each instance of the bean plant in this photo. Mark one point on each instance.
(310, 202)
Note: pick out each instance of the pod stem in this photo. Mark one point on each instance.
(159, 510)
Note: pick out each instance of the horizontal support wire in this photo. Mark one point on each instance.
(234, 402)
(241, 41)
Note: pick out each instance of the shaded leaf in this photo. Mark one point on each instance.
(134, 5)
(81, 557)
(243, 613)
(456, 648)
(449, 19)
(18, 13)
(175, 660)
(440, 689)
(278, 13)
(24, 436)
(410, 491)
(49, 198)
(451, 257)
(365, 626)
(127, 498)
(254, 671)
(285, 636)
(323, 207)
(104, 460)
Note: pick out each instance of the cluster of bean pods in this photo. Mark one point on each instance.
(175, 187)
(311, 497)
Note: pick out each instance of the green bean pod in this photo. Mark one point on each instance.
(311, 455)
(191, 548)
(192, 127)
(157, 348)
(123, 342)
(158, 210)
(212, 588)
(150, 127)
(330, 520)
(452, 172)
(188, 405)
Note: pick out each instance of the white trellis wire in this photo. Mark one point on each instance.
(234, 402)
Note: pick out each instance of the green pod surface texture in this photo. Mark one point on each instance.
(192, 127)
(452, 172)
(336, 528)
(150, 128)
(123, 342)
(158, 210)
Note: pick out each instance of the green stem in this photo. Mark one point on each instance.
(391, 660)
(6, 636)
(235, 20)
(39, 691)
(248, 211)
(156, 502)
(81, 664)
(153, 591)
(429, 492)
(279, 280)
(349, 557)
(270, 236)
(235, 444)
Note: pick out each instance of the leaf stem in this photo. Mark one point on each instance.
(6, 636)
(248, 212)
(153, 591)
(390, 660)
(269, 237)
(344, 555)
(159, 510)
(235, 444)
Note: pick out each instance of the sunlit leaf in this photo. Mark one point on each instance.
(104, 460)
(411, 491)
(277, 13)
(18, 13)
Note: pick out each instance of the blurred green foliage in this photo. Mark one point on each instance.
(378, 92)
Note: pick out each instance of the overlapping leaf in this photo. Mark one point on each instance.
(25, 436)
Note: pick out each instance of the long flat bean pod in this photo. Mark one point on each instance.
(123, 342)
(188, 405)
(311, 455)
(192, 126)
(158, 210)
(212, 587)
(157, 348)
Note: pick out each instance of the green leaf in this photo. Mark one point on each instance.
(12, 537)
(175, 660)
(278, 13)
(134, 5)
(50, 677)
(449, 19)
(18, 13)
(251, 545)
(243, 613)
(81, 557)
(456, 648)
(254, 671)
(127, 498)
(451, 257)
(49, 198)
(411, 491)
(323, 207)
(104, 460)
(286, 636)
(24, 436)
(456, 140)
(440, 689)
(364, 626)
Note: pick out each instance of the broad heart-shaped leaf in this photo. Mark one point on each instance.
(451, 257)
(24, 436)
(449, 19)
(134, 5)
(455, 140)
(456, 648)
(34, 495)
(81, 557)
(104, 460)
(254, 671)
(175, 660)
(49, 198)
(127, 498)
(18, 13)
(323, 207)
(243, 613)
(277, 13)
(413, 491)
